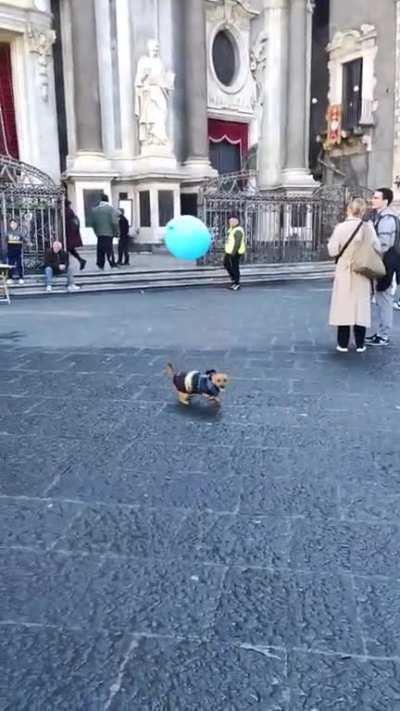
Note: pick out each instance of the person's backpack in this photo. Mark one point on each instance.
(396, 246)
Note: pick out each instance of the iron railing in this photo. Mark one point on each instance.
(36, 202)
(278, 227)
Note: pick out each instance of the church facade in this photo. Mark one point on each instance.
(144, 99)
(161, 94)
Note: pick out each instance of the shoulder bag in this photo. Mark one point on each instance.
(367, 262)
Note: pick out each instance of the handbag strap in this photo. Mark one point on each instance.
(342, 251)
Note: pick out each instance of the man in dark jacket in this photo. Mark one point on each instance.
(105, 222)
(384, 220)
(56, 263)
(123, 245)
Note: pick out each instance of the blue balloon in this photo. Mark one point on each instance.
(187, 237)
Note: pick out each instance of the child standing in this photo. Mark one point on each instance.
(15, 241)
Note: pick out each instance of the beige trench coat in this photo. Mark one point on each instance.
(351, 295)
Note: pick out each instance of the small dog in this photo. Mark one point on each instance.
(209, 384)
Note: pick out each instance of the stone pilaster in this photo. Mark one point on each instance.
(195, 52)
(272, 141)
(129, 143)
(86, 77)
(296, 173)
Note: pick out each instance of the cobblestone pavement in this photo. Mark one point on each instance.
(154, 558)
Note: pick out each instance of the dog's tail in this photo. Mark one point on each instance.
(169, 369)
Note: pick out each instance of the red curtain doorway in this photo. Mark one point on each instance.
(228, 145)
(8, 126)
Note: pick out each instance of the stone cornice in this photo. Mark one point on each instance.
(275, 4)
(244, 6)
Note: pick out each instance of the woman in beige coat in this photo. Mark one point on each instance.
(351, 295)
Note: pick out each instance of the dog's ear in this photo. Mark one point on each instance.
(210, 372)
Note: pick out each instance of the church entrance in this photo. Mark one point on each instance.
(8, 127)
(228, 145)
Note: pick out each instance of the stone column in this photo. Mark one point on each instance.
(195, 52)
(272, 140)
(296, 173)
(86, 77)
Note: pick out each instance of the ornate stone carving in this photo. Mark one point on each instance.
(239, 97)
(40, 43)
(258, 63)
(153, 85)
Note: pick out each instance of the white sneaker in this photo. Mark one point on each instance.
(361, 350)
(10, 282)
(342, 350)
(21, 281)
(49, 288)
(73, 287)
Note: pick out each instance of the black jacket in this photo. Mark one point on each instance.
(123, 227)
(54, 260)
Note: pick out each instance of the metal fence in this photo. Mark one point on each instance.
(36, 202)
(279, 228)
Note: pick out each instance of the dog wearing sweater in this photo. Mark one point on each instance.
(209, 384)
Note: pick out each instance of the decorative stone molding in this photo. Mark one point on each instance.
(258, 67)
(345, 47)
(40, 42)
(239, 98)
(258, 64)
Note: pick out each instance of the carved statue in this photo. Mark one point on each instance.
(154, 86)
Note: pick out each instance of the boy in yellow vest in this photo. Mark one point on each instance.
(235, 247)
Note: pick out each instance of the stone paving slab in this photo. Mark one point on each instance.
(167, 559)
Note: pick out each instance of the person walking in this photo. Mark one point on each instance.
(384, 221)
(351, 294)
(235, 248)
(123, 244)
(73, 234)
(105, 222)
(56, 263)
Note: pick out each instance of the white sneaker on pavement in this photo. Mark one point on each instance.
(49, 288)
(21, 281)
(73, 287)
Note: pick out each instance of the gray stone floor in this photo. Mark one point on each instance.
(160, 559)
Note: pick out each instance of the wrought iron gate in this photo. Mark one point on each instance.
(279, 228)
(36, 202)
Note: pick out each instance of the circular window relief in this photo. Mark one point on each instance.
(224, 57)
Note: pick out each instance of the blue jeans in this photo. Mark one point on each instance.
(49, 274)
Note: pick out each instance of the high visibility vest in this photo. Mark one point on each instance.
(230, 241)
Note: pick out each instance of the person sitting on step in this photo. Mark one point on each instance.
(56, 263)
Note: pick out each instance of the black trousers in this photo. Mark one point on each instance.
(105, 249)
(232, 266)
(74, 252)
(123, 250)
(14, 254)
(343, 336)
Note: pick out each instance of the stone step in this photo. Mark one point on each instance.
(91, 282)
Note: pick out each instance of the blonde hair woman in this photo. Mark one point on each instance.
(351, 295)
